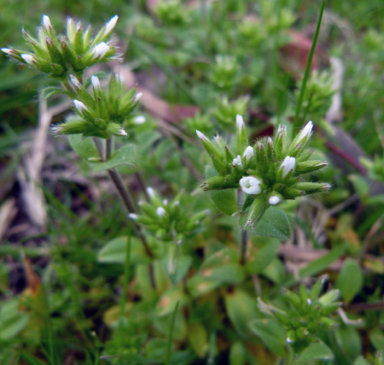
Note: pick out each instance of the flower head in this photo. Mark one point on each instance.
(137, 97)
(237, 161)
(160, 211)
(47, 22)
(306, 131)
(274, 200)
(140, 119)
(248, 153)
(79, 105)
(250, 185)
(95, 82)
(239, 122)
(28, 58)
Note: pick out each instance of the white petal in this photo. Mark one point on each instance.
(122, 132)
(160, 211)
(110, 25)
(8, 51)
(288, 165)
(306, 131)
(28, 58)
(201, 135)
(138, 97)
(150, 192)
(140, 119)
(95, 82)
(132, 216)
(250, 185)
(100, 50)
(239, 121)
(79, 105)
(237, 161)
(75, 81)
(248, 153)
(273, 200)
(47, 22)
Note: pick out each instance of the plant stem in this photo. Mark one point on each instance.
(307, 69)
(243, 232)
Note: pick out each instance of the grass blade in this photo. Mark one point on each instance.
(307, 68)
(169, 345)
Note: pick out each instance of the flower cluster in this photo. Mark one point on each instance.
(267, 172)
(58, 55)
(308, 313)
(167, 220)
(101, 113)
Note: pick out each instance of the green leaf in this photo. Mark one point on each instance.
(54, 90)
(349, 341)
(271, 333)
(350, 280)
(183, 264)
(377, 338)
(361, 361)
(115, 251)
(274, 223)
(84, 147)
(124, 156)
(11, 320)
(259, 258)
(322, 263)
(315, 351)
(225, 201)
(241, 310)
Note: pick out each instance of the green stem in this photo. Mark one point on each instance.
(126, 273)
(169, 345)
(307, 69)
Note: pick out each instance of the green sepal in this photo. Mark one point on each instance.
(256, 211)
(309, 166)
(311, 188)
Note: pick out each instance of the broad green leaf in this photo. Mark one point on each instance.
(259, 258)
(241, 310)
(350, 280)
(84, 147)
(271, 333)
(12, 325)
(198, 338)
(322, 263)
(123, 156)
(361, 361)
(349, 341)
(275, 223)
(180, 329)
(237, 354)
(183, 264)
(199, 285)
(115, 251)
(169, 300)
(225, 201)
(377, 338)
(315, 351)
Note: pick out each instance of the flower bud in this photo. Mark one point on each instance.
(79, 105)
(137, 97)
(140, 119)
(160, 211)
(100, 50)
(95, 82)
(110, 25)
(237, 162)
(242, 138)
(132, 216)
(248, 153)
(8, 51)
(306, 132)
(47, 23)
(288, 166)
(274, 200)
(309, 166)
(75, 81)
(28, 58)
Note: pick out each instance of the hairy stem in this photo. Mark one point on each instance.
(243, 232)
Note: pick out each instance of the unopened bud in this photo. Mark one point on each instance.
(100, 50)
(79, 105)
(110, 25)
(75, 81)
(237, 162)
(132, 216)
(137, 97)
(28, 58)
(140, 119)
(248, 153)
(95, 82)
(288, 165)
(8, 51)
(47, 22)
(274, 200)
(160, 211)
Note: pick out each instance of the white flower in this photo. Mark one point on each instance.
(289, 340)
(28, 58)
(309, 301)
(288, 165)
(100, 50)
(8, 51)
(150, 192)
(239, 122)
(165, 202)
(273, 200)
(47, 22)
(306, 131)
(137, 97)
(248, 153)
(132, 216)
(201, 135)
(75, 81)
(160, 211)
(110, 25)
(122, 132)
(250, 185)
(140, 119)
(237, 161)
(95, 82)
(79, 105)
